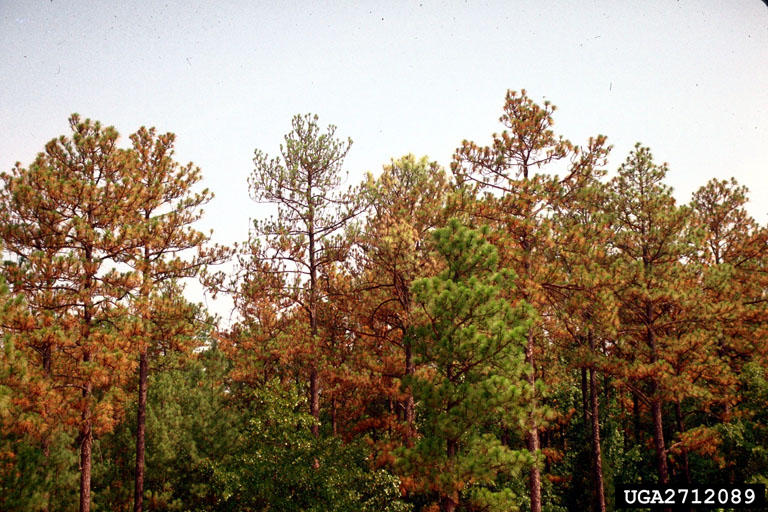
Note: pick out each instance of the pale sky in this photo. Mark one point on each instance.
(687, 78)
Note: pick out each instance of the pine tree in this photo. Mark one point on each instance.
(733, 254)
(63, 218)
(303, 239)
(408, 201)
(660, 354)
(469, 348)
(583, 305)
(164, 211)
(517, 200)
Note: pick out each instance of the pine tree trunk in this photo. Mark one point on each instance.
(533, 433)
(448, 503)
(86, 424)
(314, 384)
(314, 397)
(658, 420)
(625, 432)
(45, 507)
(597, 457)
(141, 415)
(681, 429)
(584, 397)
(535, 473)
(86, 442)
(727, 419)
(658, 441)
(405, 301)
(636, 417)
(409, 403)
(47, 360)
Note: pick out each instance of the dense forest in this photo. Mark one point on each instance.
(517, 332)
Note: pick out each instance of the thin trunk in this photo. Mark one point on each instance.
(314, 395)
(656, 405)
(314, 379)
(141, 407)
(727, 419)
(597, 457)
(86, 442)
(403, 293)
(409, 403)
(532, 436)
(333, 416)
(625, 432)
(584, 397)
(449, 503)
(86, 423)
(636, 416)
(141, 414)
(47, 455)
(47, 360)
(533, 433)
(681, 429)
(658, 441)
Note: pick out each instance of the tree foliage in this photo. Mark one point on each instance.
(469, 347)
(522, 334)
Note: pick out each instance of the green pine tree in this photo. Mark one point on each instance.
(469, 348)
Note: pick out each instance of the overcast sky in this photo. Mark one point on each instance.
(687, 78)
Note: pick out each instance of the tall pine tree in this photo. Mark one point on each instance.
(164, 211)
(469, 347)
(63, 218)
(517, 186)
(303, 240)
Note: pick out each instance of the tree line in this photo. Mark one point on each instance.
(519, 331)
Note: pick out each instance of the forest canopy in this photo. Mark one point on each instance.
(519, 331)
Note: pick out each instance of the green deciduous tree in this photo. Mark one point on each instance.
(274, 466)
